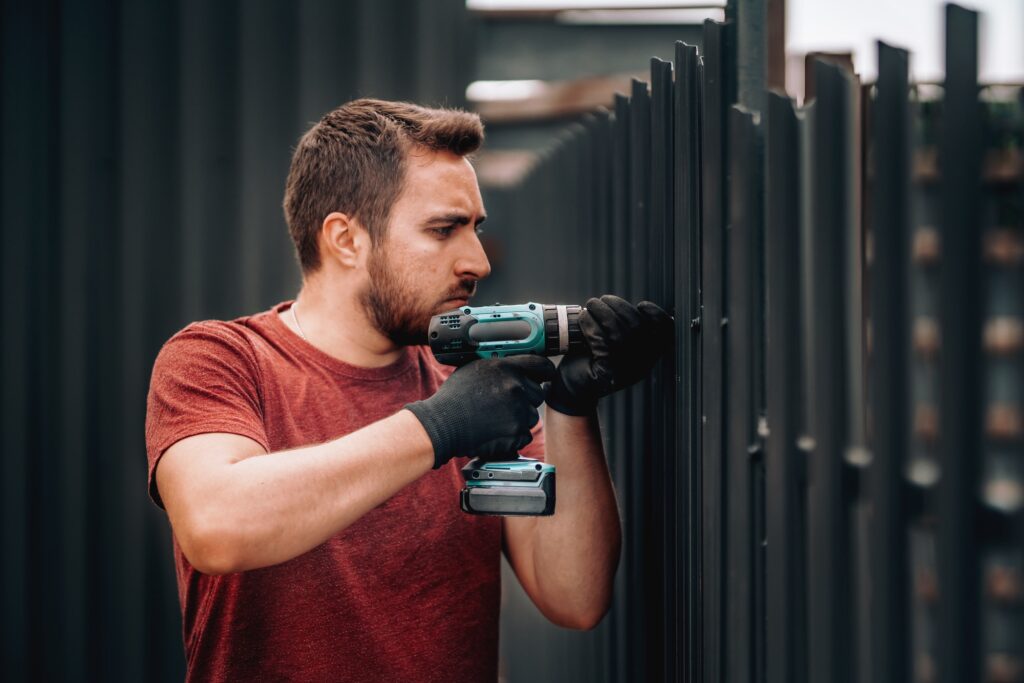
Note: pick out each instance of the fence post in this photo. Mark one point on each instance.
(888, 392)
(785, 569)
(719, 89)
(959, 354)
(829, 578)
(743, 290)
(687, 216)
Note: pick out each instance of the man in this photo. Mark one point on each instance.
(308, 456)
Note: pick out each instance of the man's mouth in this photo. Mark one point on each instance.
(459, 299)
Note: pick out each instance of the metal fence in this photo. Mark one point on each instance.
(825, 482)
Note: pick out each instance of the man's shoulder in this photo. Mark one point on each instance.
(232, 341)
(229, 333)
(239, 332)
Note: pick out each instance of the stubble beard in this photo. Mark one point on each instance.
(394, 305)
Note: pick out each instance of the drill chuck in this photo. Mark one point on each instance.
(462, 335)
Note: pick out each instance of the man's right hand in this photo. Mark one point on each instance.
(486, 408)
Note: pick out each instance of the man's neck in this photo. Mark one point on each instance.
(339, 327)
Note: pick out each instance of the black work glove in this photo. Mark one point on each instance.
(486, 408)
(624, 340)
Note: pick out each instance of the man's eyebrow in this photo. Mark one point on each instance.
(457, 218)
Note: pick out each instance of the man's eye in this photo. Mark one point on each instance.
(479, 230)
(443, 232)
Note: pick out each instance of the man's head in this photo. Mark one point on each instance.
(383, 192)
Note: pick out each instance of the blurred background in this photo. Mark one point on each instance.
(145, 147)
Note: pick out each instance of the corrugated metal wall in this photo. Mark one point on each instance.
(826, 481)
(145, 147)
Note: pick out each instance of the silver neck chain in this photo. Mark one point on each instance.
(296, 321)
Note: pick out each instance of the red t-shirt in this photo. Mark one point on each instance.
(409, 592)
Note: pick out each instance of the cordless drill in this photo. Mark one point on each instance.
(517, 485)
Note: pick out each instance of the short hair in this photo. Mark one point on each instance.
(353, 161)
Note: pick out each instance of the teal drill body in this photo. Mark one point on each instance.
(517, 485)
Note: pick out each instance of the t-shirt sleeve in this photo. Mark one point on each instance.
(205, 379)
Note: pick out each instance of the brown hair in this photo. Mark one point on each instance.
(353, 161)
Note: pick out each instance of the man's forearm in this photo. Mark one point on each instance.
(575, 552)
(269, 508)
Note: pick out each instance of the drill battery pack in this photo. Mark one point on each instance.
(510, 487)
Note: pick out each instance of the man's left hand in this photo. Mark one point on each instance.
(625, 341)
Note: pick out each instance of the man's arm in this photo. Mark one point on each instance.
(566, 562)
(234, 508)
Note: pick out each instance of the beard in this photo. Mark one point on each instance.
(395, 306)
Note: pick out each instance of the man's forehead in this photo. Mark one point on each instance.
(433, 162)
(442, 180)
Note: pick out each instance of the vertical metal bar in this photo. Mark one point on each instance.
(829, 579)
(441, 75)
(775, 39)
(30, 145)
(87, 190)
(662, 392)
(759, 493)
(718, 95)
(605, 641)
(108, 531)
(268, 45)
(857, 456)
(590, 225)
(582, 649)
(923, 470)
(751, 53)
(383, 24)
(960, 353)
(889, 390)
(639, 178)
(625, 580)
(328, 58)
(209, 157)
(570, 285)
(784, 571)
(149, 196)
(744, 228)
(687, 215)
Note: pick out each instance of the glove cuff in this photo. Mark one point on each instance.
(442, 426)
(560, 399)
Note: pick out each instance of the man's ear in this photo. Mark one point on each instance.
(343, 239)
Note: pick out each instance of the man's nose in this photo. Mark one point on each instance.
(473, 262)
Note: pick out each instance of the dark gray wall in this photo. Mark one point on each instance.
(145, 147)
